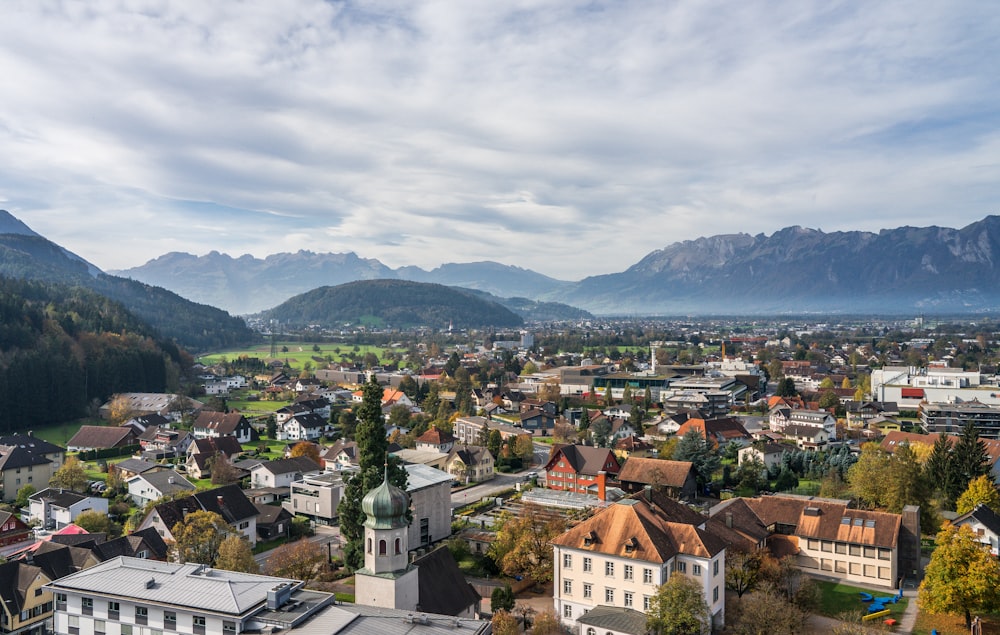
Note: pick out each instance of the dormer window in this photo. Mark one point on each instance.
(589, 539)
(631, 545)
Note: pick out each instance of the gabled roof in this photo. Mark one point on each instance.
(101, 437)
(615, 618)
(435, 436)
(655, 471)
(31, 443)
(584, 459)
(228, 501)
(148, 540)
(58, 560)
(17, 457)
(165, 481)
(58, 497)
(300, 464)
(442, 586)
(227, 445)
(221, 422)
(470, 454)
(647, 526)
(984, 515)
(137, 466)
(310, 420)
(15, 579)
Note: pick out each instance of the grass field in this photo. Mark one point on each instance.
(838, 599)
(299, 353)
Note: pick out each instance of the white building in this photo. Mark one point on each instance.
(908, 386)
(622, 554)
(54, 508)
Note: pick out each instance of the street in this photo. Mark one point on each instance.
(326, 535)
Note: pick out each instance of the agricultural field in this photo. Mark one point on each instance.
(298, 353)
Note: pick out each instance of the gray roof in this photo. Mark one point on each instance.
(226, 592)
(166, 481)
(137, 466)
(355, 619)
(614, 618)
(419, 476)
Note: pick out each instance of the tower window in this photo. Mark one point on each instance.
(382, 547)
(369, 545)
(398, 545)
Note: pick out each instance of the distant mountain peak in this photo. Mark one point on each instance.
(9, 224)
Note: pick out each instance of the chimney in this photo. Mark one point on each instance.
(729, 519)
(602, 478)
(220, 500)
(647, 492)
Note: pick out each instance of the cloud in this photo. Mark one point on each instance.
(567, 137)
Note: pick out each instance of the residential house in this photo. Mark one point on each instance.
(581, 468)
(150, 486)
(27, 607)
(430, 501)
(828, 537)
(770, 454)
(470, 463)
(469, 430)
(622, 554)
(985, 525)
(203, 453)
(538, 422)
(317, 497)
(861, 413)
(273, 522)
(435, 439)
(20, 466)
(102, 438)
(228, 501)
(54, 508)
(220, 424)
(12, 529)
(633, 446)
(717, 432)
(807, 437)
(39, 447)
(781, 417)
(675, 478)
(160, 442)
(342, 455)
(282, 472)
(305, 426)
(128, 468)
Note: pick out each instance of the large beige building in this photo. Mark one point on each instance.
(622, 554)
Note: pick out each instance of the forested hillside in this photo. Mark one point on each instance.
(64, 349)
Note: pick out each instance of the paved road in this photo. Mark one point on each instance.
(492, 487)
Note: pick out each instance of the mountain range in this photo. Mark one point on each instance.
(793, 270)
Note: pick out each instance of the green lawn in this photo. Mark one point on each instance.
(300, 352)
(837, 599)
(62, 432)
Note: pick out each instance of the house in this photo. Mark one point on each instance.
(781, 417)
(430, 458)
(220, 424)
(141, 403)
(20, 466)
(767, 453)
(130, 467)
(435, 439)
(341, 455)
(861, 413)
(12, 529)
(429, 490)
(282, 472)
(27, 607)
(581, 468)
(717, 432)
(145, 544)
(39, 447)
(316, 496)
(538, 422)
(622, 554)
(828, 537)
(273, 522)
(283, 414)
(102, 438)
(228, 501)
(469, 430)
(675, 478)
(807, 437)
(54, 508)
(443, 588)
(985, 525)
(150, 486)
(305, 426)
(161, 442)
(203, 453)
(470, 463)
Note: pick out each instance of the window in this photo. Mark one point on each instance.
(855, 550)
(587, 590)
(645, 602)
(840, 547)
(228, 628)
(696, 569)
(99, 627)
(567, 561)
(87, 606)
(715, 568)
(609, 568)
(567, 587)
(680, 567)
(567, 610)
(827, 546)
(382, 547)
(869, 552)
(170, 620)
(715, 594)
(73, 621)
(60, 601)
(198, 623)
(586, 564)
(609, 596)
(244, 524)
(369, 545)
(126, 629)
(113, 610)
(647, 576)
(591, 631)
(628, 572)
(141, 615)
(628, 599)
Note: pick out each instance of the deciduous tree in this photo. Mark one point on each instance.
(522, 543)
(96, 522)
(306, 448)
(961, 577)
(766, 613)
(235, 554)
(197, 538)
(743, 567)
(504, 623)
(678, 608)
(981, 491)
(547, 623)
(71, 476)
(299, 560)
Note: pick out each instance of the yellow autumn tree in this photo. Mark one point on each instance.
(981, 491)
(522, 543)
(962, 576)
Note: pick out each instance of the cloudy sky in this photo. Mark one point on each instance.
(571, 138)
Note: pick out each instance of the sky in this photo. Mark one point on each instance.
(570, 138)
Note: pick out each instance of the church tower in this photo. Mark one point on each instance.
(388, 579)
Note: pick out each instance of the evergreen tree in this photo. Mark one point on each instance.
(938, 468)
(969, 460)
(693, 447)
(372, 457)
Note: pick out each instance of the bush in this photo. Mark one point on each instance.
(301, 526)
